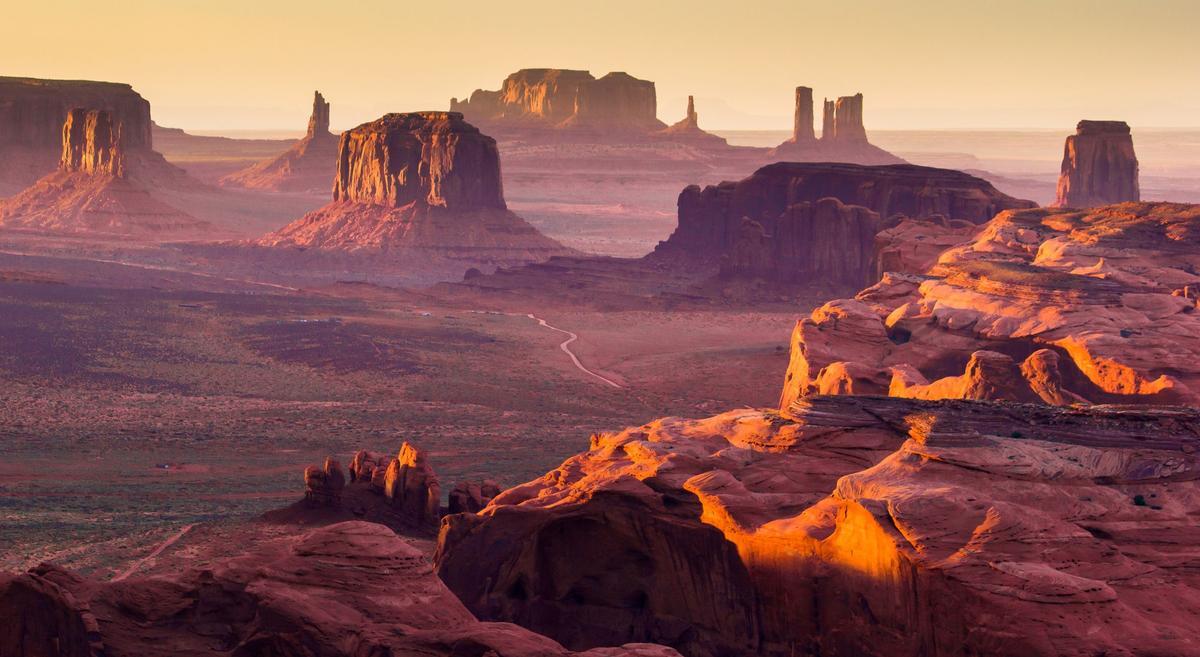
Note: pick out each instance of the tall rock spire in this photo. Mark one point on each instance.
(318, 123)
(827, 123)
(802, 128)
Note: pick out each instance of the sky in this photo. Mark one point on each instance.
(921, 64)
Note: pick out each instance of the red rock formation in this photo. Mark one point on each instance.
(32, 114)
(1086, 302)
(819, 221)
(426, 180)
(348, 590)
(309, 165)
(101, 186)
(411, 485)
(472, 496)
(855, 526)
(843, 137)
(323, 485)
(616, 104)
(1099, 166)
(688, 131)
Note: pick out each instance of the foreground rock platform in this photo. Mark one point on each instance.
(855, 526)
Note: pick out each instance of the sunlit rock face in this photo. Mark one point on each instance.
(32, 114)
(1099, 166)
(855, 526)
(92, 143)
(425, 180)
(817, 223)
(309, 165)
(1058, 306)
(565, 99)
(350, 589)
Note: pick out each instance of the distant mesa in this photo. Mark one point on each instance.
(32, 114)
(843, 135)
(425, 180)
(1099, 166)
(103, 184)
(817, 222)
(309, 165)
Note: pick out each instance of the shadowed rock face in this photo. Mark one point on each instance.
(818, 222)
(1099, 166)
(91, 143)
(855, 526)
(565, 99)
(308, 165)
(352, 589)
(430, 158)
(1058, 306)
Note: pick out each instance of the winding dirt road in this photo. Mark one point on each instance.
(157, 551)
(566, 347)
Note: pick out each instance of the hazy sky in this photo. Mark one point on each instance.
(253, 64)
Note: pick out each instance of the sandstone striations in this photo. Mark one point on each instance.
(348, 590)
(32, 114)
(309, 165)
(1059, 306)
(424, 182)
(818, 223)
(616, 105)
(843, 134)
(102, 186)
(855, 526)
(1099, 166)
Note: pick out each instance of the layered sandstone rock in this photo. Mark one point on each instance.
(843, 135)
(617, 104)
(101, 186)
(855, 526)
(1099, 166)
(1081, 306)
(33, 112)
(818, 223)
(427, 181)
(309, 165)
(688, 131)
(348, 590)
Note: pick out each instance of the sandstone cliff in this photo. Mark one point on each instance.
(309, 165)
(426, 180)
(101, 186)
(347, 590)
(818, 222)
(32, 114)
(617, 104)
(1058, 306)
(855, 526)
(1099, 166)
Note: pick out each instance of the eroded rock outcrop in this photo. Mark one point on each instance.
(855, 526)
(33, 112)
(843, 135)
(309, 165)
(347, 590)
(323, 484)
(617, 104)
(1065, 305)
(102, 186)
(1099, 166)
(428, 181)
(688, 131)
(817, 223)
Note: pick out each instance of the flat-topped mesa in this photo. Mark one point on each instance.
(565, 99)
(91, 143)
(816, 222)
(1099, 166)
(802, 126)
(428, 158)
(844, 119)
(318, 123)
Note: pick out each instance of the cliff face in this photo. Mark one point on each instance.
(426, 180)
(32, 114)
(1054, 306)
(1099, 166)
(308, 165)
(854, 526)
(91, 143)
(802, 127)
(846, 118)
(565, 99)
(817, 222)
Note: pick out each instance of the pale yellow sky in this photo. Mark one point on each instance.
(252, 64)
